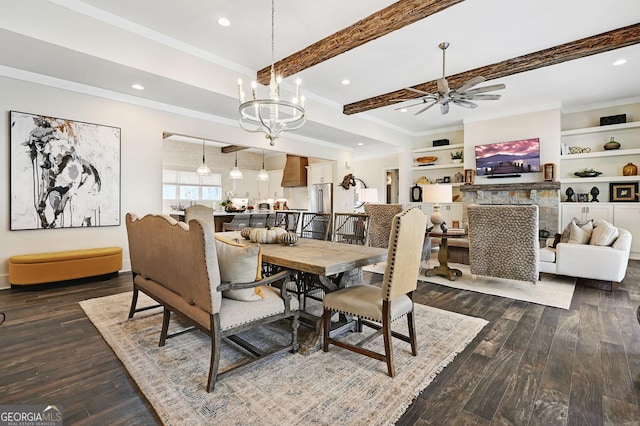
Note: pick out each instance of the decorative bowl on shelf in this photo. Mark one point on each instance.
(587, 173)
(427, 160)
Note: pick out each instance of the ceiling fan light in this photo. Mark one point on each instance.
(620, 61)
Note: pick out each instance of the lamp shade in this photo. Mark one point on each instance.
(437, 193)
(368, 195)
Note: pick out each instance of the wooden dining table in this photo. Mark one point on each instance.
(332, 264)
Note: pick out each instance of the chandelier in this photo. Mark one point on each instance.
(203, 170)
(271, 116)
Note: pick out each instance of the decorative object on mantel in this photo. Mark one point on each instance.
(440, 142)
(456, 156)
(623, 191)
(459, 177)
(630, 170)
(548, 172)
(423, 181)
(594, 194)
(427, 161)
(271, 116)
(569, 193)
(347, 181)
(416, 194)
(612, 144)
(587, 173)
(582, 198)
(469, 176)
(579, 150)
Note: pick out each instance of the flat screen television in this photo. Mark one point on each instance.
(506, 159)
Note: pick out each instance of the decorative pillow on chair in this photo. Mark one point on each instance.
(580, 234)
(604, 233)
(566, 233)
(239, 263)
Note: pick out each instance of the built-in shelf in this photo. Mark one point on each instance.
(599, 154)
(601, 179)
(601, 129)
(437, 148)
(438, 166)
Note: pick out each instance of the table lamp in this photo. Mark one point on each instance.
(437, 193)
(368, 195)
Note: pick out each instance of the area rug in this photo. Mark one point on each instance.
(552, 290)
(336, 387)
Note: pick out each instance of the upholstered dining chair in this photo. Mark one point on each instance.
(198, 211)
(380, 219)
(378, 307)
(503, 241)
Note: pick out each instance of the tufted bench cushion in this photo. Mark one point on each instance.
(41, 268)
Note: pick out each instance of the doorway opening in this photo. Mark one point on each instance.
(392, 188)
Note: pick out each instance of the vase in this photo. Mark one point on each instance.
(630, 170)
(457, 160)
(612, 144)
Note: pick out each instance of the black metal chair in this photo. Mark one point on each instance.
(351, 228)
(288, 220)
(315, 225)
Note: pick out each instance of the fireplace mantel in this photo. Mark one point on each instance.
(520, 186)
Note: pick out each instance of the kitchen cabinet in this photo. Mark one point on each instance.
(585, 211)
(320, 173)
(275, 184)
(263, 188)
(247, 186)
(627, 216)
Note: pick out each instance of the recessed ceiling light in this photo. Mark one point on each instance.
(620, 62)
(403, 110)
(138, 86)
(224, 22)
(346, 82)
(360, 143)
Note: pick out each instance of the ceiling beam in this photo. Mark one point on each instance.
(232, 148)
(383, 22)
(588, 46)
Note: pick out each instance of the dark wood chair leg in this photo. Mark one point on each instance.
(326, 326)
(166, 316)
(386, 333)
(134, 302)
(411, 322)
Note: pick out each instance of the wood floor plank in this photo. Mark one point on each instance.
(615, 372)
(519, 399)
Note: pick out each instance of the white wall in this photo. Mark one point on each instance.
(373, 172)
(141, 160)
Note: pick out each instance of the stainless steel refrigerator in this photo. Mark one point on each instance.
(321, 202)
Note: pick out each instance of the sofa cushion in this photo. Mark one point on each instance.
(566, 233)
(604, 233)
(239, 263)
(556, 240)
(580, 234)
(548, 254)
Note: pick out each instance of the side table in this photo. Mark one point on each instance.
(443, 257)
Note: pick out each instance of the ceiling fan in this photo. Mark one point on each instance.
(460, 96)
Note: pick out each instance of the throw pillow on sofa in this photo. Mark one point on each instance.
(604, 233)
(566, 233)
(580, 234)
(239, 263)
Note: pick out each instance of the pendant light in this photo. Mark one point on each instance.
(262, 174)
(203, 170)
(235, 172)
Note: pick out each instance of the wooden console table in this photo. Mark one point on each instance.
(443, 257)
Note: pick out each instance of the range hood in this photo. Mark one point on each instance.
(295, 171)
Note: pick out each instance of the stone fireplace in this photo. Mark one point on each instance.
(543, 194)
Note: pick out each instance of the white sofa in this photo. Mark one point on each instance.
(607, 263)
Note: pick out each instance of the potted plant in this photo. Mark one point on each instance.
(456, 156)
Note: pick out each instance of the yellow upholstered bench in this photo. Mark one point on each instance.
(41, 268)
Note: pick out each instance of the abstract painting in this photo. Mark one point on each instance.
(64, 173)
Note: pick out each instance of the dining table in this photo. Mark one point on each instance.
(333, 265)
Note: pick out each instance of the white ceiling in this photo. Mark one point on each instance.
(184, 59)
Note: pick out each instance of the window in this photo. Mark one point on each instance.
(179, 186)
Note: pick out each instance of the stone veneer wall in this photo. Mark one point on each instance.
(543, 194)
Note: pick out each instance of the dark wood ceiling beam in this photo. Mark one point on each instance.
(383, 22)
(611, 40)
(232, 148)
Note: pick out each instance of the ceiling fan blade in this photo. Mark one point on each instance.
(490, 97)
(408, 106)
(465, 104)
(425, 108)
(470, 83)
(444, 108)
(443, 86)
(484, 89)
(421, 92)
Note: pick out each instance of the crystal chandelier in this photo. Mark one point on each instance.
(271, 116)
(262, 174)
(235, 172)
(203, 170)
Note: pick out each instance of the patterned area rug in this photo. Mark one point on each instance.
(337, 387)
(552, 290)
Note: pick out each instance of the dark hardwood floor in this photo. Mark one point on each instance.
(531, 365)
